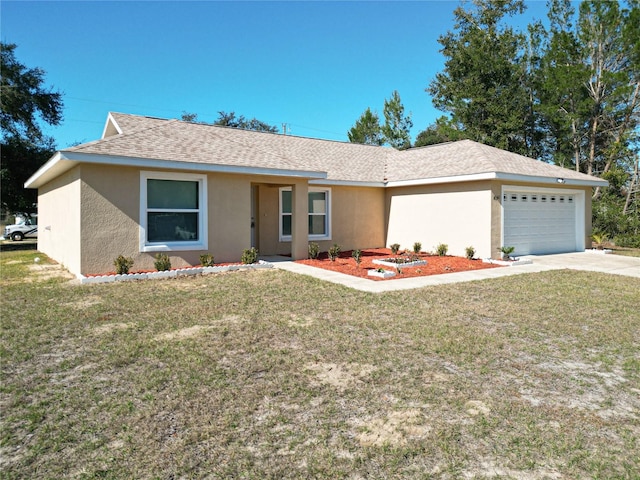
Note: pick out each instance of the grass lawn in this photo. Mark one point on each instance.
(265, 374)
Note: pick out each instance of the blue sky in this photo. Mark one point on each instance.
(315, 66)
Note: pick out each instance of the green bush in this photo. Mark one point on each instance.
(507, 251)
(123, 264)
(442, 249)
(334, 252)
(249, 256)
(417, 248)
(206, 260)
(162, 262)
(395, 247)
(357, 256)
(314, 250)
(470, 252)
(629, 240)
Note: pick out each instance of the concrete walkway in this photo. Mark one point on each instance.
(596, 262)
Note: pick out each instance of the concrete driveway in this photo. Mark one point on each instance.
(591, 261)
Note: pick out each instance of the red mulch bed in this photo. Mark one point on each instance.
(436, 265)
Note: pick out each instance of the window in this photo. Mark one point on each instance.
(319, 214)
(172, 212)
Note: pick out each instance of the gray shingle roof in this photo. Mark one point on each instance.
(174, 140)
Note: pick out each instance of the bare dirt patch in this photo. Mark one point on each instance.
(110, 327)
(395, 428)
(42, 272)
(183, 333)
(436, 265)
(341, 376)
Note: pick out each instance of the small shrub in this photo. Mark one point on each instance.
(442, 249)
(507, 251)
(206, 260)
(334, 252)
(162, 262)
(357, 256)
(470, 252)
(395, 247)
(249, 256)
(417, 248)
(314, 250)
(599, 239)
(123, 264)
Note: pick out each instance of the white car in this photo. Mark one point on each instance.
(25, 228)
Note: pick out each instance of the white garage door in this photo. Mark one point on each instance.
(539, 222)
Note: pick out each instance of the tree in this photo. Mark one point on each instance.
(25, 103)
(367, 129)
(396, 125)
(230, 120)
(483, 83)
(443, 130)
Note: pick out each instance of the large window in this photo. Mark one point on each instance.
(172, 212)
(319, 214)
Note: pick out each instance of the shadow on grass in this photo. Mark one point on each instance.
(10, 246)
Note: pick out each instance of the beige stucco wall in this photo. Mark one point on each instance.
(111, 214)
(357, 218)
(458, 215)
(59, 220)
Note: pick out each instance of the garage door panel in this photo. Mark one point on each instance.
(539, 222)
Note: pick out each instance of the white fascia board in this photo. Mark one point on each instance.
(500, 176)
(188, 166)
(55, 166)
(559, 180)
(110, 120)
(437, 180)
(346, 183)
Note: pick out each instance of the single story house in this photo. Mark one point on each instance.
(154, 185)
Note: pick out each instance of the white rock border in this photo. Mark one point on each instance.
(384, 263)
(604, 251)
(385, 274)
(172, 273)
(509, 263)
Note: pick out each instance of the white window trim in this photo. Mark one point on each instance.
(203, 242)
(327, 192)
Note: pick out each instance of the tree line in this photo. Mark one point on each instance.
(566, 91)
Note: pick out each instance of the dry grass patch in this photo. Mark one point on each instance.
(267, 374)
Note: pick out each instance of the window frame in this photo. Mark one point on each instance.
(203, 242)
(327, 222)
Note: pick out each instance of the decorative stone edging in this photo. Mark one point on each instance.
(415, 263)
(604, 251)
(509, 263)
(384, 274)
(172, 273)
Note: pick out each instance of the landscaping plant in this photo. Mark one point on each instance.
(470, 252)
(123, 264)
(357, 256)
(314, 250)
(442, 249)
(334, 252)
(162, 262)
(249, 256)
(506, 252)
(206, 260)
(417, 248)
(395, 247)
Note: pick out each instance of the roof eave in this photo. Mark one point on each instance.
(588, 182)
(65, 160)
